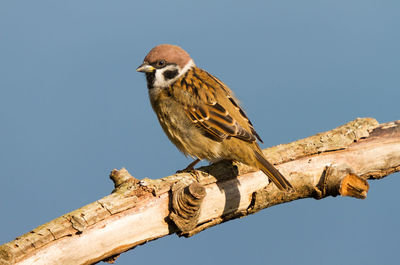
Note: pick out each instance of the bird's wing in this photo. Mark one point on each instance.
(217, 112)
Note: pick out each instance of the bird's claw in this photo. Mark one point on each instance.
(193, 172)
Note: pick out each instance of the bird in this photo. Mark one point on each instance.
(200, 114)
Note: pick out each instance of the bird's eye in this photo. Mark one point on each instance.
(160, 63)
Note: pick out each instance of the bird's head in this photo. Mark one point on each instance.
(164, 64)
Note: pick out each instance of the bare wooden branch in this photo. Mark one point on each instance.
(337, 162)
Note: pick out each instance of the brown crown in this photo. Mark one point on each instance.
(169, 53)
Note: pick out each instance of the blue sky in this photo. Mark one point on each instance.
(72, 108)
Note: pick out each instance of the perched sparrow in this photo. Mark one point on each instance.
(200, 114)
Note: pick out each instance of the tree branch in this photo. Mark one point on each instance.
(337, 162)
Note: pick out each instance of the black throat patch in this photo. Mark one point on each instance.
(150, 77)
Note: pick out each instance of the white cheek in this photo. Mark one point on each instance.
(159, 77)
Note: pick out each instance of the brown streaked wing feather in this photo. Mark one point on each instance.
(241, 111)
(231, 98)
(204, 110)
(199, 116)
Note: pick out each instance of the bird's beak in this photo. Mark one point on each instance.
(145, 68)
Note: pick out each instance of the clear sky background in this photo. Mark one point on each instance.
(72, 108)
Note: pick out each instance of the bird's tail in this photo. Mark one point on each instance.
(273, 174)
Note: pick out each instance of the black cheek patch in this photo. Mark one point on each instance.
(170, 74)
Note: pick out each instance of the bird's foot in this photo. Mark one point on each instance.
(190, 170)
(196, 174)
(190, 167)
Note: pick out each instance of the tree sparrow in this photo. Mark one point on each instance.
(200, 114)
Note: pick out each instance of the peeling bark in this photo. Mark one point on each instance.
(337, 162)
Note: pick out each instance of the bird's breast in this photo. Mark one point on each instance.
(182, 132)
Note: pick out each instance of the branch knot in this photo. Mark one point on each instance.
(186, 203)
(341, 180)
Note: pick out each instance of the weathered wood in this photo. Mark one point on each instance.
(186, 202)
(337, 162)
